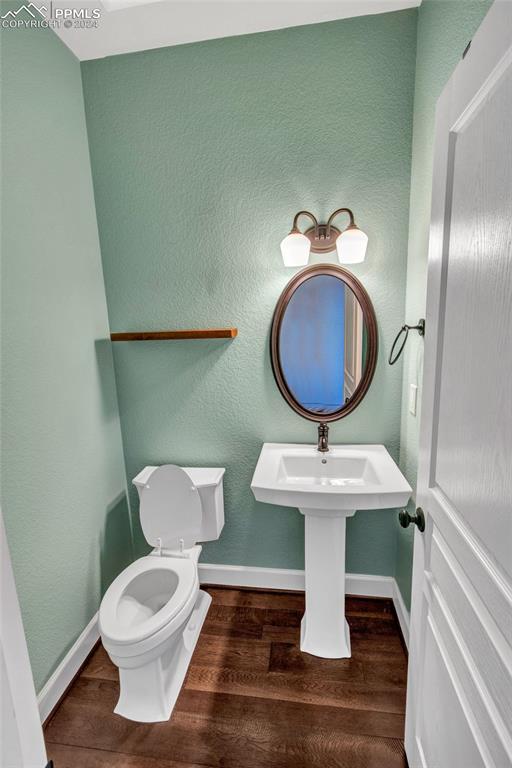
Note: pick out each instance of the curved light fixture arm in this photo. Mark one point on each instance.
(331, 218)
(295, 227)
(324, 238)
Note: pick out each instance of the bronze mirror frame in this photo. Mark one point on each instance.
(372, 340)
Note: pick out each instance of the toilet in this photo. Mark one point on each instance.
(152, 613)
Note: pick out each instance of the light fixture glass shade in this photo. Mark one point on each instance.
(295, 249)
(351, 246)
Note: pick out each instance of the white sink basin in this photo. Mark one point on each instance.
(348, 477)
(327, 488)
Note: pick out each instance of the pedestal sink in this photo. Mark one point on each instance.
(327, 488)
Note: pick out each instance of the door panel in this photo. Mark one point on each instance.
(476, 647)
(475, 408)
(439, 748)
(493, 590)
(483, 641)
(474, 704)
(459, 708)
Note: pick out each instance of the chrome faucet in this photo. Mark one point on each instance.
(323, 438)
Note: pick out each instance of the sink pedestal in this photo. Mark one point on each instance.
(324, 629)
(327, 488)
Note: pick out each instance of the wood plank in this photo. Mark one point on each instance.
(367, 633)
(364, 647)
(377, 607)
(285, 687)
(378, 647)
(256, 598)
(64, 756)
(354, 605)
(282, 617)
(368, 625)
(232, 731)
(240, 616)
(99, 666)
(288, 658)
(389, 672)
(234, 621)
(281, 634)
(197, 333)
(231, 652)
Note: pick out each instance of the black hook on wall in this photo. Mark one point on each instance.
(420, 327)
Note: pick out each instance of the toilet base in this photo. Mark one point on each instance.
(149, 692)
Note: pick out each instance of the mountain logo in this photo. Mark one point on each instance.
(28, 9)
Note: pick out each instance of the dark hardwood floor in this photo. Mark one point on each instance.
(251, 698)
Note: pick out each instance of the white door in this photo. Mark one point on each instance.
(353, 354)
(459, 707)
(21, 735)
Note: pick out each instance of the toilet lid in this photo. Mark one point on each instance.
(170, 508)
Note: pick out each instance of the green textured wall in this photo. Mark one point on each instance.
(201, 154)
(62, 473)
(444, 29)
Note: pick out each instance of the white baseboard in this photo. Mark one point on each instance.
(285, 578)
(251, 576)
(360, 584)
(401, 612)
(55, 687)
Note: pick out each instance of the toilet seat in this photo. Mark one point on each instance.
(147, 597)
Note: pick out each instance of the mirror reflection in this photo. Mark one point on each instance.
(323, 344)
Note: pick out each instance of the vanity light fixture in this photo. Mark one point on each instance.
(323, 238)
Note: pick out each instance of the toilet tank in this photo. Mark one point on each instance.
(209, 483)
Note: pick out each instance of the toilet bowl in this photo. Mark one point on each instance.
(152, 613)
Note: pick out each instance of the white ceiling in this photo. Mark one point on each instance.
(138, 25)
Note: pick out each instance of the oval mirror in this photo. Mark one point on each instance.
(324, 343)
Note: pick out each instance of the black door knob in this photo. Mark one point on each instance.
(418, 519)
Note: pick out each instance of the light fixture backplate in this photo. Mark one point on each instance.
(320, 243)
